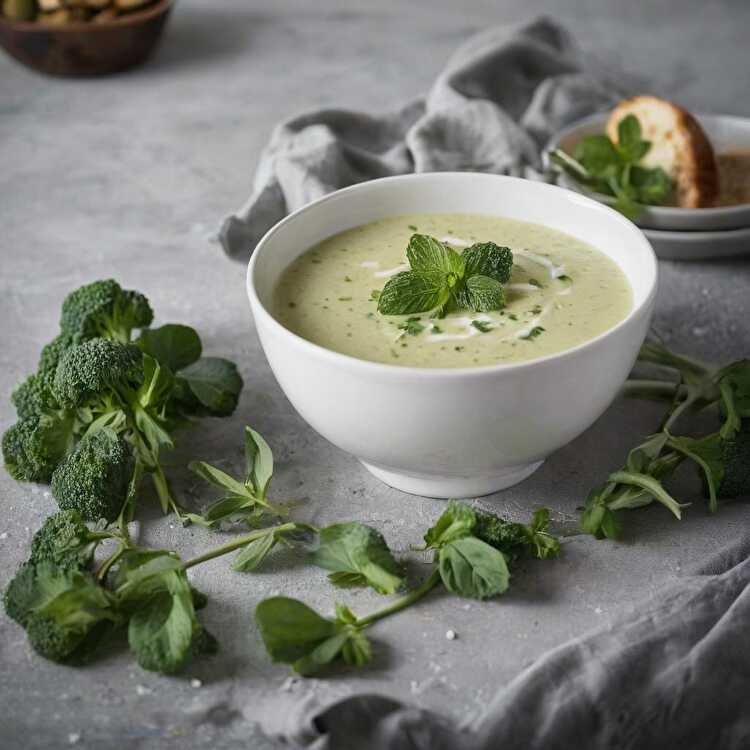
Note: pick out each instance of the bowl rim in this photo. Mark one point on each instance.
(393, 370)
(658, 211)
(145, 14)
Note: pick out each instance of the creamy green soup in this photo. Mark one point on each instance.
(561, 293)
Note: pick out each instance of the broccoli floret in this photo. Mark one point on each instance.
(33, 447)
(65, 540)
(65, 612)
(50, 356)
(513, 539)
(21, 594)
(94, 369)
(735, 458)
(104, 309)
(94, 479)
(31, 397)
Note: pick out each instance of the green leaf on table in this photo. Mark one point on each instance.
(597, 154)
(295, 634)
(411, 292)
(259, 459)
(456, 521)
(472, 568)
(218, 478)
(163, 625)
(173, 345)
(252, 555)
(358, 555)
(209, 386)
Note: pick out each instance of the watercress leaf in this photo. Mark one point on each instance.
(215, 383)
(640, 457)
(226, 507)
(484, 294)
(651, 485)
(413, 292)
(345, 580)
(291, 629)
(360, 550)
(734, 387)
(469, 567)
(488, 259)
(173, 345)
(161, 629)
(456, 521)
(651, 186)
(629, 142)
(252, 555)
(157, 385)
(344, 615)
(325, 653)
(707, 454)
(259, 461)
(218, 478)
(357, 650)
(597, 154)
(425, 253)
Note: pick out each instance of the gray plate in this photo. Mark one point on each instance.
(724, 131)
(699, 245)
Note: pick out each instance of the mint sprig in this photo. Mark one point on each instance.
(614, 168)
(440, 279)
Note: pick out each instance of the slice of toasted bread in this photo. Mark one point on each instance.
(678, 145)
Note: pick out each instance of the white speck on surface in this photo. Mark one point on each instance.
(598, 610)
(143, 690)
(73, 738)
(4, 535)
(196, 683)
(288, 685)
(451, 635)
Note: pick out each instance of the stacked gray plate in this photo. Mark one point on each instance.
(681, 233)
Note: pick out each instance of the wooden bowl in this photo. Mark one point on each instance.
(86, 48)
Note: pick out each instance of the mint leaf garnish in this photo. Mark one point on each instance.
(413, 292)
(440, 280)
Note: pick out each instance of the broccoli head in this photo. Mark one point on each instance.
(34, 446)
(104, 309)
(65, 540)
(50, 356)
(513, 539)
(31, 397)
(65, 612)
(95, 478)
(93, 370)
(735, 458)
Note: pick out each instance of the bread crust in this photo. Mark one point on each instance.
(678, 145)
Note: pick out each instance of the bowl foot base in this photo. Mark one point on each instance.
(435, 485)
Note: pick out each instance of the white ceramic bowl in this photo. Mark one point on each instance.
(724, 131)
(453, 432)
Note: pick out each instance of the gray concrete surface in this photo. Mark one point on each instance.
(129, 176)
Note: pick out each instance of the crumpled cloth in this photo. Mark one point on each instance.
(673, 674)
(501, 96)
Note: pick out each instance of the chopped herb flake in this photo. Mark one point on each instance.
(536, 283)
(481, 326)
(533, 333)
(345, 299)
(566, 278)
(375, 294)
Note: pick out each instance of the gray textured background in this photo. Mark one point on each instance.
(129, 177)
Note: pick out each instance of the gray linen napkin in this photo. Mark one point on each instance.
(673, 674)
(501, 96)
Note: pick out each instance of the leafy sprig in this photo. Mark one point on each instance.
(440, 279)
(472, 552)
(722, 457)
(615, 169)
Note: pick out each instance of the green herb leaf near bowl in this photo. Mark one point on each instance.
(615, 169)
